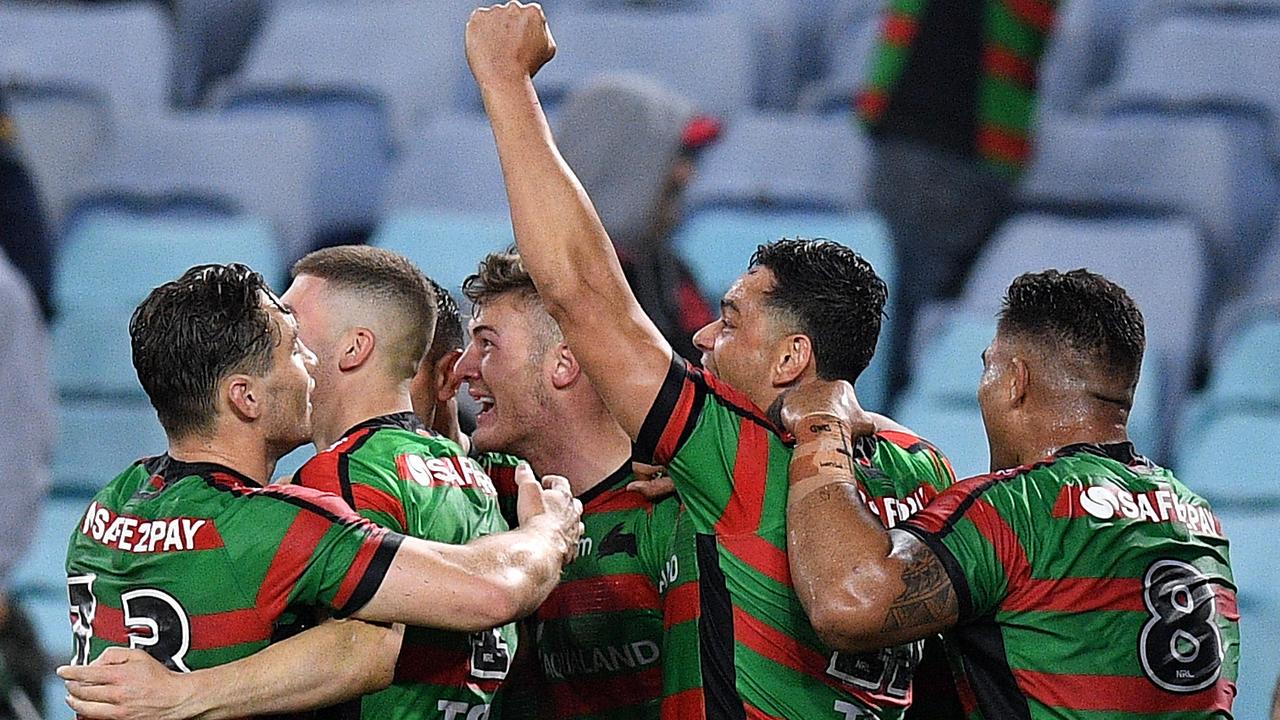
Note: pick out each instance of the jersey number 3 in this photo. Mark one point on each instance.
(167, 636)
(1180, 646)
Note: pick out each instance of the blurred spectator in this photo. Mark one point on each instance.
(949, 105)
(633, 146)
(24, 234)
(26, 448)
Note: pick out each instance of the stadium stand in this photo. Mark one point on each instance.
(783, 162)
(849, 48)
(447, 245)
(450, 163)
(1083, 52)
(704, 56)
(210, 40)
(1252, 531)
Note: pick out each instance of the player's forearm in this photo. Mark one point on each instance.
(359, 658)
(839, 553)
(560, 236)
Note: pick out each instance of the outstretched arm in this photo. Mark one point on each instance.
(863, 587)
(560, 237)
(490, 581)
(125, 684)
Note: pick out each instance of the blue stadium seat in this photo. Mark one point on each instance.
(108, 264)
(718, 243)
(449, 164)
(447, 246)
(1225, 69)
(170, 164)
(1169, 293)
(289, 464)
(1229, 458)
(702, 56)
(119, 51)
(42, 566)
(99, 438)
(210, 41)
(1083, 51)
(1151, 11)
(849, 46)
(1252, 533)
(783, 162)
(1247, 368)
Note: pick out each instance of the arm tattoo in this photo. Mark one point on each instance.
(927, 598)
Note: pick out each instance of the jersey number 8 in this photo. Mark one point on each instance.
(1180, 646)
(168, 636)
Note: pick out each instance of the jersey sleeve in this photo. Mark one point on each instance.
(335, 471)
(708, 435)
(329, 556)
(970, 530)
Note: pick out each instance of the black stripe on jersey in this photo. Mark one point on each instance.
(986, 667)
(344, 468)
(373, 575)
(962, 509)
(664, 407)
(716, 636)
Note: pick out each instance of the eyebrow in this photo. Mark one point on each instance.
(483, 328)
(729, 305)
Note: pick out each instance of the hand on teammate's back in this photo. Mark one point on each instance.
(834, 398)
(124, 684)
(549, 501)
(508, 42)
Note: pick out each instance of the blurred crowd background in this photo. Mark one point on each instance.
(954, 143)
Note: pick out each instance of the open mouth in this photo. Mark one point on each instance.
(486, 404)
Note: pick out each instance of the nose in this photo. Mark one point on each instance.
(704, 338)
(468, 365)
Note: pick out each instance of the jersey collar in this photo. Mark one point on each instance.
(405, 420)
(169, 470)
(616, 479)
(1122, 452)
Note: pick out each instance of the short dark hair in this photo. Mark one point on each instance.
(499, 273)
(384, 277)
(448, 335)
(1081, 311)
(190, 333)
(833, 295)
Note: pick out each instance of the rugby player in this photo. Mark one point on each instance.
(1077, 580)
(599, 634)
(432, 391)
(188, 556)
(803, 310)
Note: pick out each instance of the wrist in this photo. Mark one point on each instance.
(196, 691)
(818, 425)
(498, 83)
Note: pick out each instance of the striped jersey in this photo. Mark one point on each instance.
(394, 474)
(745, 628)
(195, 563)
(599, 634)
(1093, 584)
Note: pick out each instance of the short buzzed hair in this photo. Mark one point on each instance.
(449, 334)
(387, 279)
(1083, 313)
(503, 274)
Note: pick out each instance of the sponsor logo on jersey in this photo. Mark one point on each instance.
(601, 659)
(615, 541)
(892, 510)
(435, 472)
(1108, 502)
(138, 535)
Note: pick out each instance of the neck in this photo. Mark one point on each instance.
(1096, 431)
(585, 450)
(357, 403)
(245, 453)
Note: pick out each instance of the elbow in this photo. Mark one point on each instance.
(844, 624)
(504, 601)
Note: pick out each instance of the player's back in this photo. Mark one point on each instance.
(1092, 584)
(421, 484)
(194, 563)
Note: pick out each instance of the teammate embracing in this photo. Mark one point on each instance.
(1079, 580)
(739, 641)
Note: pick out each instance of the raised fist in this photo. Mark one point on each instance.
(508, 42)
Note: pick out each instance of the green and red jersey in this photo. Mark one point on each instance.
(195, 563)
(423, 486)
(757, 655)
(1093, 584)
(599, 634)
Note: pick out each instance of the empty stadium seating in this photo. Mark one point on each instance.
(1252, 533)
(450, 163)
(446, 245)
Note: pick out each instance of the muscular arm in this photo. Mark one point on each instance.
(863, 587)
(560, 237)
(358, 658)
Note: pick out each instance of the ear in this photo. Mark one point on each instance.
(447, 381)
(793, 358)
(356, 348)
(243, 396)
(1018, 381)
(566, 371)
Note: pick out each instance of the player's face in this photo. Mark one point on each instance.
(288, 387)
(307, 300)
(993, 398)
(504, 368)
(738, 345)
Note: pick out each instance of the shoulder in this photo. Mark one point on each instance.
(303, 499)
